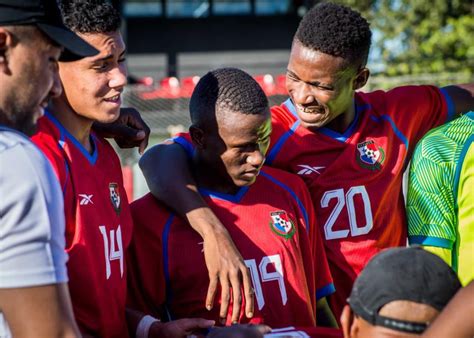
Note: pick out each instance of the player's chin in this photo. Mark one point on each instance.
(109, 115)
(245, 180)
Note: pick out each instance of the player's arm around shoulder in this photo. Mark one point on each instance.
(168, 175)
(462, 96)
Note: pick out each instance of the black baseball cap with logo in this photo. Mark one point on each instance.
(410, 274)
(45, 15)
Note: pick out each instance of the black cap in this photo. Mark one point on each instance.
(45, 15)
(410, 274)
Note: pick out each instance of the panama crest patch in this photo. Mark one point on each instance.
(281, 224)
(115, 196)
(370, 155)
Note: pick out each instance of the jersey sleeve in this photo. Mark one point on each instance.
(430, 204)
(145, 278)
(184, 140)
(50, 148)
(413, 110)
(32, 220)
(284, 124)
(323, 278)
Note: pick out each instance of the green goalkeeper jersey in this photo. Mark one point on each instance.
(440, 202)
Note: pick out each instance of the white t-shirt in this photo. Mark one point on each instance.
(31, 217)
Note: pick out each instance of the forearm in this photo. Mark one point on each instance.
(324, 315)
(462, 96)
(456, 318)
(175, 186)
(43, 311)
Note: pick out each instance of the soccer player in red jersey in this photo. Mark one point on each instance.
(268, 213)
(98, 219)
(351, 148)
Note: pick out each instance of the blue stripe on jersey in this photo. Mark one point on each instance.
(60, 145)
(166, 232)
(274, 152)
(431, 241)
(92, 158)
(291, 107)
(188, 146)
(350, 130)
(459, 166)
(292, 193)
(325, 291)
(397, 131)
(449, 102)
(226, 197)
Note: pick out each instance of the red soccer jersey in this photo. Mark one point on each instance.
(355, 178)
(272, 225)
(98, 227)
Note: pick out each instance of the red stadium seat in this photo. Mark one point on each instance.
(188, 84)
(169, 89)
(267, 83)
(281, 85)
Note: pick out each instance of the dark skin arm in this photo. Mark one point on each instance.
(42, 311)
(324, 315)
(175, 186)
(456, 318)
(462, 96)
(129, 130)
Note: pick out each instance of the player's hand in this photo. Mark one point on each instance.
(128, 131)
(179, 328)
(226, 265)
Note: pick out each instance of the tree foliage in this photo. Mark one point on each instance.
(421, 36)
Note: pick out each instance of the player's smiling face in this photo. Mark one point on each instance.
(321, 86)
(93, 85)
(236, 153)
(33, 80)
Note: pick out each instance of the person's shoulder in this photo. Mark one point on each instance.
(14, 143)
(284, 113)
(449, 136)
(283, 179)
(10, 138)
(147, 205)
(401, 95)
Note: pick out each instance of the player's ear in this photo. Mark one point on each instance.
(197, 136)
(347, 321)
(5, 36)
(361, 78)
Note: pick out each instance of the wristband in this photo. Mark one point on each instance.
(144, 325)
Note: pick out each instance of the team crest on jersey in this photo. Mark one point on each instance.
(370, 156)
(281, 224)
(115, 196)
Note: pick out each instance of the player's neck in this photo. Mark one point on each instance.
(77, 125)
(342, 122)
(210, 179)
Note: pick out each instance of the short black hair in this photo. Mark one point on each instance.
(90, 16)
(226, 90)
(336, 30)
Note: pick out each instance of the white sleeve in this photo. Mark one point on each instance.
(31, 219)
